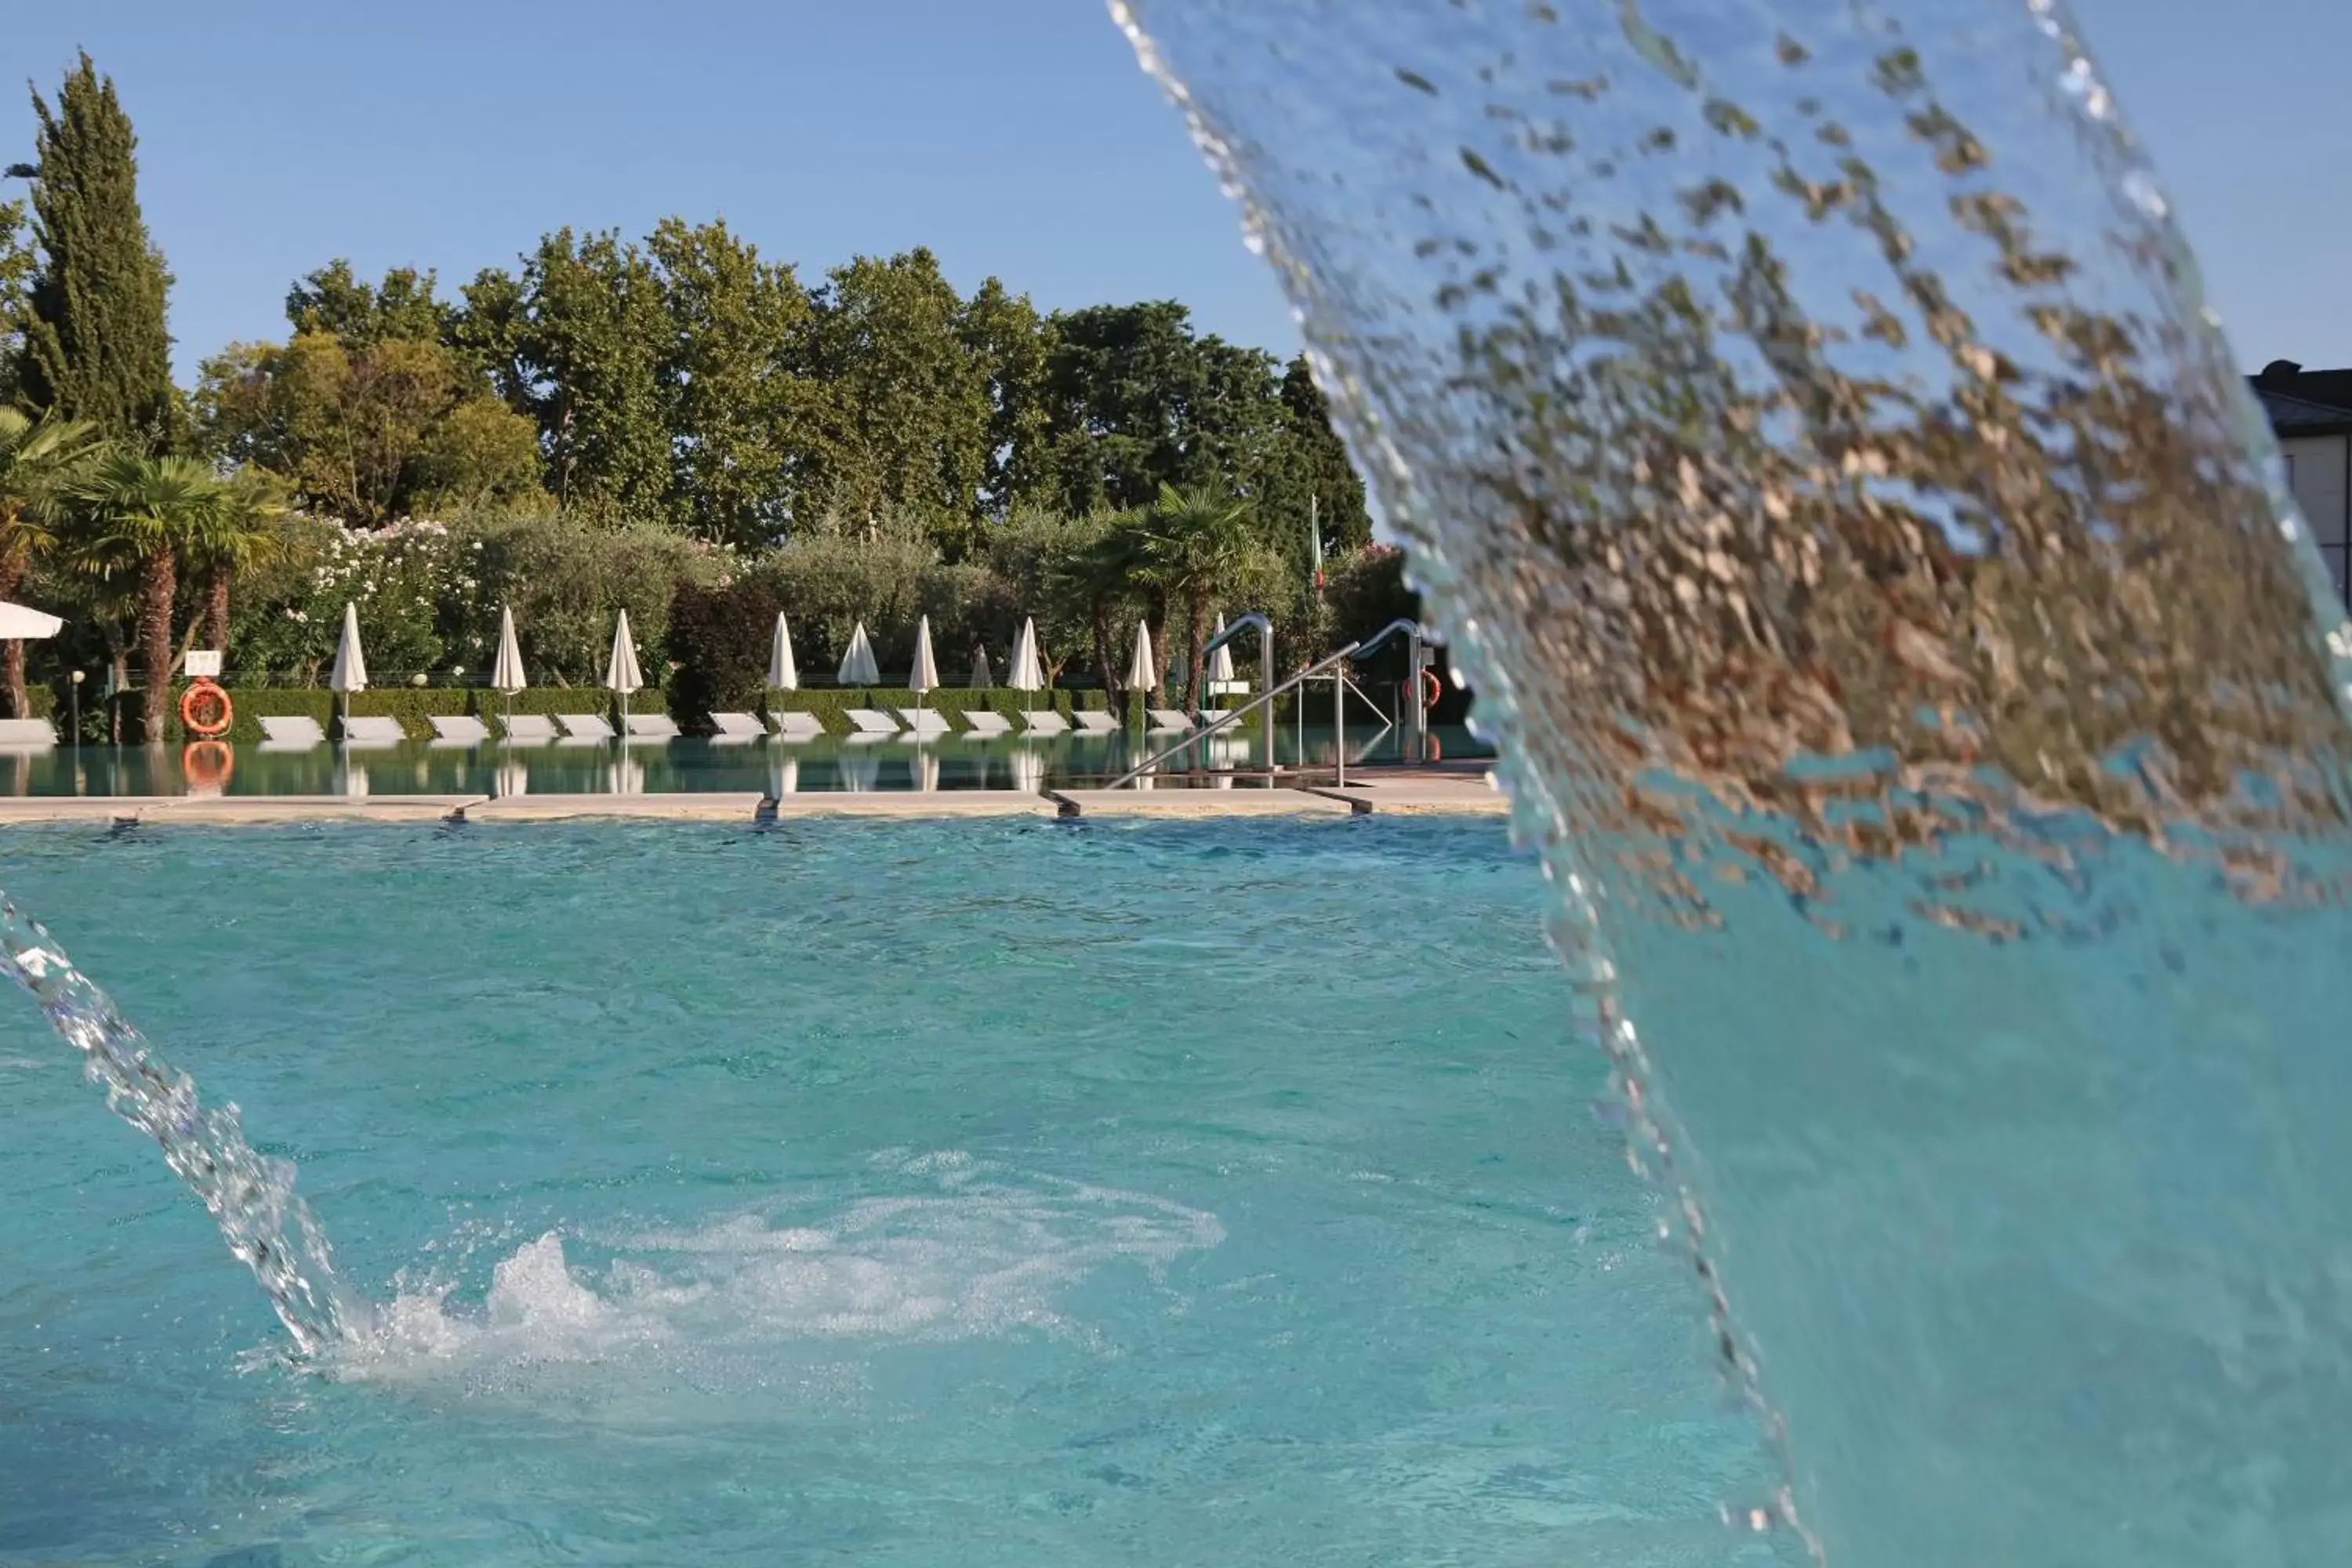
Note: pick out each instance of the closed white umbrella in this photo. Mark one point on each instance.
(982, 678)
(506, 671)
(1026, 676)
(925, 673)
(22, 622)
(1221, 663)
(858, 666)
(350, 673)
(783, 673)
(621, 673)
(1142, 676)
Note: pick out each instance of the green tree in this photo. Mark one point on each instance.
(336, 300)
(1195, 547)
(1012, 346)
(96, 347)
(133, 515)
(587, 349)
(1312, 475)
(250, 532)
(737, 413)
(906, 422)
(1100, 576)
(19, 263)
(40, 460)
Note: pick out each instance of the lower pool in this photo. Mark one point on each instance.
(968, 1193)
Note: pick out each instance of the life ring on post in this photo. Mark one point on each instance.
(1432, 690)
(207, 765)
(205, 710)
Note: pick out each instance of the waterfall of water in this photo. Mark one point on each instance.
(251, 1197)
(1805, 417)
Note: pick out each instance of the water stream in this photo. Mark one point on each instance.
(251, 1197)
(1807, 420)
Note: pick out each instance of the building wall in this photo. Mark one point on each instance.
(2320, 472)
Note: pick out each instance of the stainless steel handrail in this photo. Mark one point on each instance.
(1229, 717)
(1301, 678)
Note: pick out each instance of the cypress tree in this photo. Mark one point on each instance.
(95, 343)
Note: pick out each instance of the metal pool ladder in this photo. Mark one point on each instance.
(1405, 627)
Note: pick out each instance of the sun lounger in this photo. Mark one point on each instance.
(796, 727)
(871, 725)
(652, 727)
(736, 729)
(924, 723)
(1046, 721)
(984, 724)
(528, 728)
(28, 735)
(359, 729)
(1096, 722)
(291, 732)
(583, 728)
(458, 730)
(1167, 722)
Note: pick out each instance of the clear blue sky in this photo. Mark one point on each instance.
(1012, 136)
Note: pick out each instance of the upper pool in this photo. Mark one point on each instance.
(968, 1193)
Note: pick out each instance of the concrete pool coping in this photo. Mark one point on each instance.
(1401, 795)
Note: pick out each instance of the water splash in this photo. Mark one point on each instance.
(1807, 419)
(266, 1225)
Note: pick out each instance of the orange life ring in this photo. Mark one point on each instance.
(203, 696)
(1434, 690)
(207, 765)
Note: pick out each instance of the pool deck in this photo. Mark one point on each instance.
(1407, 793)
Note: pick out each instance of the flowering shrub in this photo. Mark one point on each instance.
(417, 585)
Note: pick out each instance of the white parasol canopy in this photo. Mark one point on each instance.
(621, 672)
(22, 622)
(925, 675)
(350, 673)
(1141, 674)
(1026, 673)
(506, 674)
(858, 666)
(983, 676)
(1221, 663)
(784, 675)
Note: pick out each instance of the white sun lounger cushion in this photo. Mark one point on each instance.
(980, 722)
(1046, 721)
(798, 726)
(530, 727)
(1167, 720)
(361, 729)
(1096, 722)
(585, 726)
(927, 723)
(26, 734)
(731, 725)
(872, 721)
(652, 727)
(458, 730)
(290, 732)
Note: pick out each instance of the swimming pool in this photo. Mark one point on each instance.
(890, 1192)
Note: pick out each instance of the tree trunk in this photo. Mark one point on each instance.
(1196, 610)
(13, 572)
(159, 577)
(1110, 682)
(216, 610)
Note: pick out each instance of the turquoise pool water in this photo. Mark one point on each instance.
(897, 1193)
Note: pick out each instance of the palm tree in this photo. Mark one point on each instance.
(1195, 547)
(253, 504)
(1100, 577)
(38, 461)
(135, 515)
